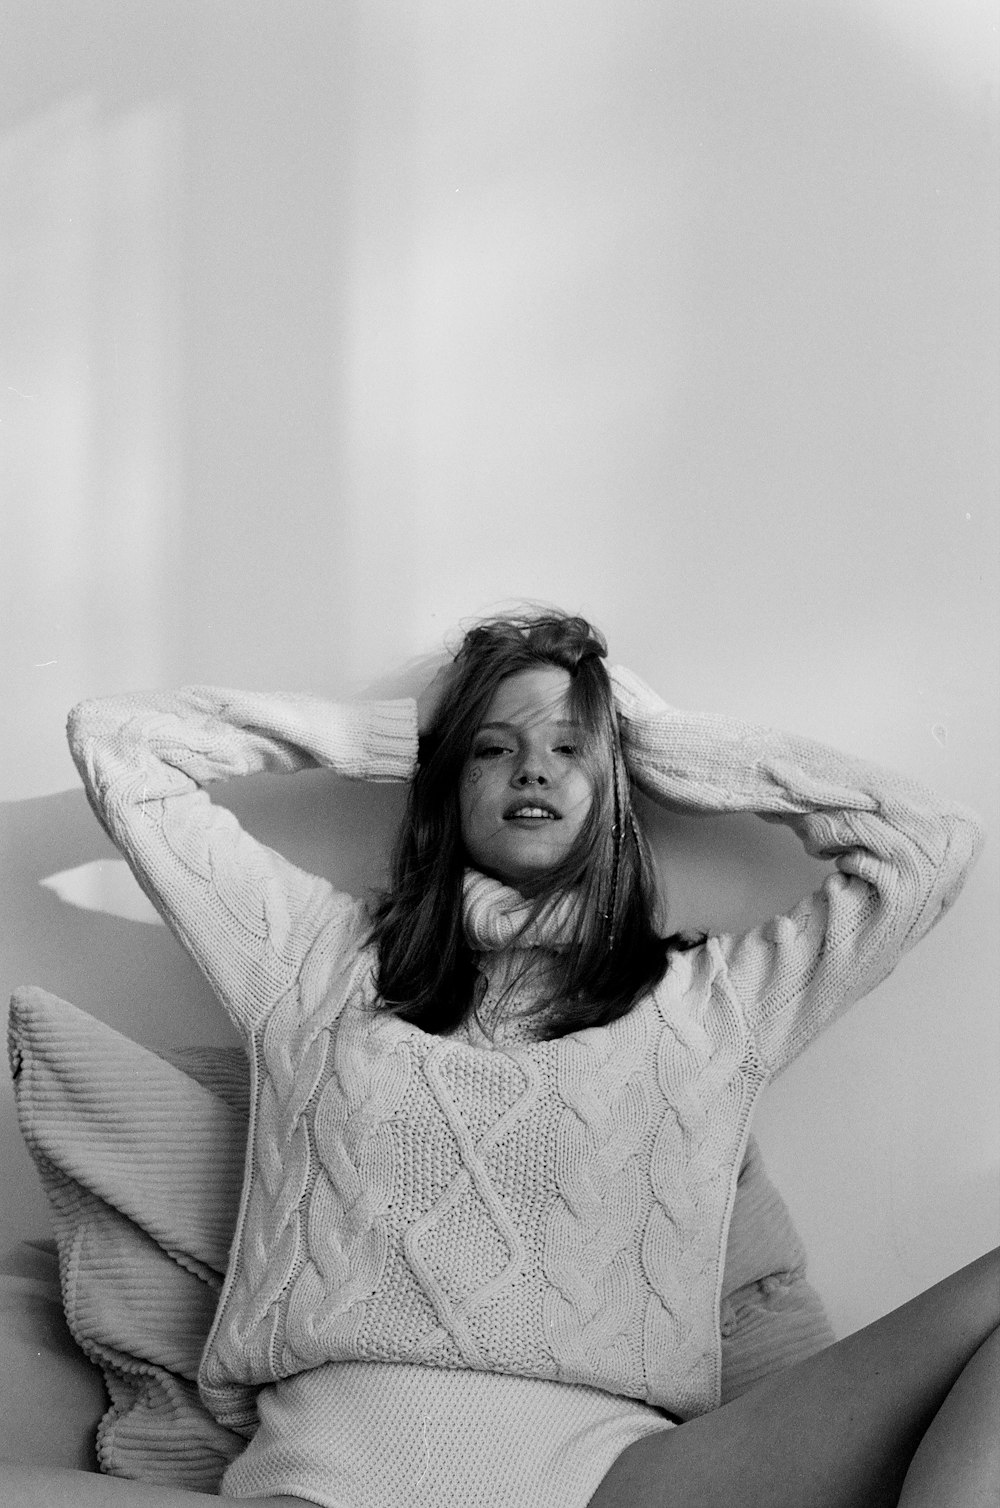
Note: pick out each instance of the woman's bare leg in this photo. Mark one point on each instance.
(841, 1429)
(958, 1460)
(24, 1486)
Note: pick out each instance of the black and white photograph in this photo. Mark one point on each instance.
(500, 779)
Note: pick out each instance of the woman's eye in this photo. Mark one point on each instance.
(489, 751)
(570, 749)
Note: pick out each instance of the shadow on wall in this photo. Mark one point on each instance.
(339, 831)
(172, 208)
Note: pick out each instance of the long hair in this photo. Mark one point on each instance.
(426, 969)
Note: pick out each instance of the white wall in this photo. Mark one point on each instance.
(329, 325)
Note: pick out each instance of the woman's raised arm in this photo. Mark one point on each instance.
(902, 854)
(247, 916)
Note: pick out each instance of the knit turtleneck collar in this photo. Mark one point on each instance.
(495, 916)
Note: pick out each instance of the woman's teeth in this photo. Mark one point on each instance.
(533, 811)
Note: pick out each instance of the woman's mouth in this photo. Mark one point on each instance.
(531, 812)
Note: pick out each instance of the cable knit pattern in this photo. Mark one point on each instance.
(552, 1210)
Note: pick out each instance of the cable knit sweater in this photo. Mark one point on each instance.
(552, 1210)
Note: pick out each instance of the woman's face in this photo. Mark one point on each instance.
(525, 791)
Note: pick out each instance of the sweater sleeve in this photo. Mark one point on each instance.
(245, 914)
(902, 855)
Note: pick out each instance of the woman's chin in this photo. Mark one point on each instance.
(528, 881)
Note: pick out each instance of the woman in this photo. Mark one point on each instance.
(497, 1123)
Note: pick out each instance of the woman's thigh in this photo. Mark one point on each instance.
(836, 1431)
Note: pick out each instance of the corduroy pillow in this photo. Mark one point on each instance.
(142, 1161)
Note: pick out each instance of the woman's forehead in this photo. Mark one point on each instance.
(539, 694)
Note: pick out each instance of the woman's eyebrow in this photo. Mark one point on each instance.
(557, 722)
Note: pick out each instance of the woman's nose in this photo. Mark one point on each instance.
(531, 774)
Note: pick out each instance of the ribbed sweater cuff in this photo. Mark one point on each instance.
(387, 737)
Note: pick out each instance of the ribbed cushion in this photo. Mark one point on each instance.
(142, 1165)
(132, 1129)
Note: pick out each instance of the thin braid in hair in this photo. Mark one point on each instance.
(617, 838)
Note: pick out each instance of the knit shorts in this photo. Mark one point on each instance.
(384, 1435)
